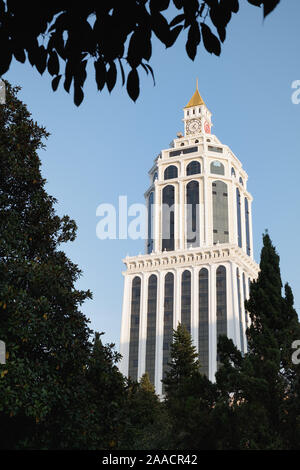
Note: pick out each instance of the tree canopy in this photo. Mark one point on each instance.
(62, 37)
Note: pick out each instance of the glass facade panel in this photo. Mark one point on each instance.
(203, 322)
(170, 172)
(220, 212)
(240, 308)
(221, 305)
(192, 214)
(186, 300)
(239, 220)
(247, 226)
(193, 168)
(150, 222)
(168, 319)
(134, 328)
(151, 327)
(217, 168)
(168, 218)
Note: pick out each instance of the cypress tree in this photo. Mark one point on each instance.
(259, 386)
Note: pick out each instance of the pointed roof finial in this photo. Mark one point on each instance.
(196, 99)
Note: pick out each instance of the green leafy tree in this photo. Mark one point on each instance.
(261, 388)
(48, 396)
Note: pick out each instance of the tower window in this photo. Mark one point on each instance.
(217, 168)
(193, 168)
(171, 172)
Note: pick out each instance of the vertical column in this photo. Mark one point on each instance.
(212, 322)
(159, 332)
(143, 325)
(125, 326)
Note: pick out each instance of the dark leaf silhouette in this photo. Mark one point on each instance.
(193, 40)
(60, 37)
(133, 85)
(211, 42)
(55, 82)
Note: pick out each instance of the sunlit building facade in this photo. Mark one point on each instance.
(199, 253)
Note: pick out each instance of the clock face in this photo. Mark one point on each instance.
(193, 126)
(207, 127)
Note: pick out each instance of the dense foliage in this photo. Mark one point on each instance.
(116, 36)
(61, 390)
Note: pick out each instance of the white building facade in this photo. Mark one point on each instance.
(199, 259)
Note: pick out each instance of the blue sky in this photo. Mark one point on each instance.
(105, 147)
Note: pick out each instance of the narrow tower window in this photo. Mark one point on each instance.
(150, 223)
(134, 328)
(221, 305)
(151, 327)
(186, 300)
(203, 321)
(239, 222)
(192, 214)
(247, 226)
(168, 319)
(240, 308)
(168, 218)
(220, 212)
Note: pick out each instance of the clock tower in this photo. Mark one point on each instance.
(198, 260)
(197, 117)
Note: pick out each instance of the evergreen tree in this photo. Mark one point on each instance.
(146, 424)
(190, 396)
(184, 360)
(260, 387)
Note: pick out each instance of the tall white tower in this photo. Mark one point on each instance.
(199, 259)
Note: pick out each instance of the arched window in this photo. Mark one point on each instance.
(241, 181)
(221, 305)
(151, 327)
(134, 328)
(186, 300)
(168, 319)
(150, 222)
(192, 214)
(240, 308)
(239, 220)
(220, 212)
(247, 226)
(203, 322)
(193, 168)
(246, 313)
(155, 176)
(217, 168)
(233, 172)
(168, 218)
(170, 172)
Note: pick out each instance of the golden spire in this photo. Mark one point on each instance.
(196, 99)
